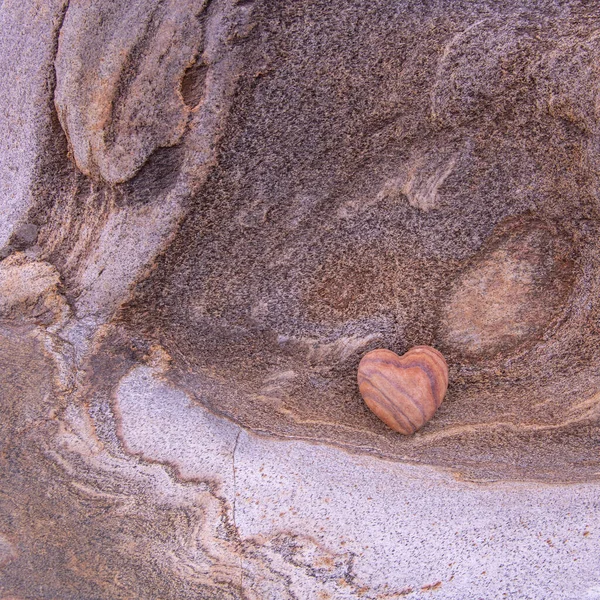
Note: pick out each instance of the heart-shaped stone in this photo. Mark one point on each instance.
(403, 391)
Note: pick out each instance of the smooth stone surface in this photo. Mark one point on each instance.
(403, 391)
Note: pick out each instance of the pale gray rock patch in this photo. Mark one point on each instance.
(401, 528)
(27, 49)
(410, 527)
(161, 423)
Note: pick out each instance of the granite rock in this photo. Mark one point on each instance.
(212, 209)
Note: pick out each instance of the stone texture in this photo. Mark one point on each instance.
(428, 192)
(29, 291)
(403, 391)
(27, 48)
(211, 212)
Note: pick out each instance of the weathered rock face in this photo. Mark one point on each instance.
(434, 186)
(211, 211)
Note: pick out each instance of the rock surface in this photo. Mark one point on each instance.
(211, 211)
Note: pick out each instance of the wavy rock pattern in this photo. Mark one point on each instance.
(211, 212)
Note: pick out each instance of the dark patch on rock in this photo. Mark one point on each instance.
(154, 180)
(24, 235)
(192, 84)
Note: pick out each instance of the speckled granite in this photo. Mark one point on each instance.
(211, 210)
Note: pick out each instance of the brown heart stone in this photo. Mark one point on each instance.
(403, 391)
